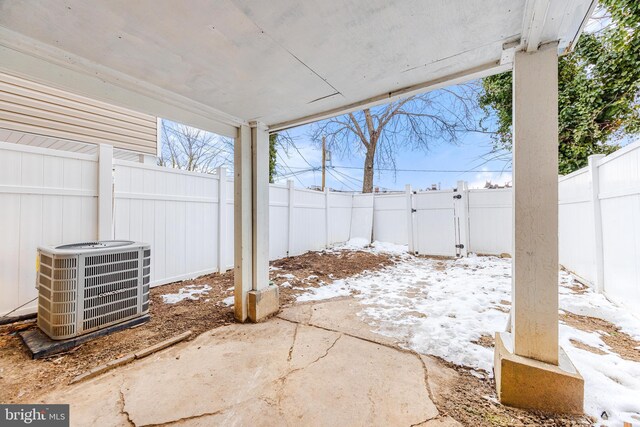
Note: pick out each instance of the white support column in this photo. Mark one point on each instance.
(462, 214)
(263, 300)
(597, 220)
(292, 195)
(327, 218)
(535, 213)
(105, 192)
(530, 368)
(242, 170)
(222, 218)
(409, 206)
(260, 182)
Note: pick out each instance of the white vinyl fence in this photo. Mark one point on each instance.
(600, 224)
(49, 197)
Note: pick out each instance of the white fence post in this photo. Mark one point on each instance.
(327, 221)
(222, 218)
(462, 214)
(409, 205)
(105, 192)
(597, 220)
(292, 192)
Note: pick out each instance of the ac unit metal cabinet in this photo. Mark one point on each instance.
(84, 287)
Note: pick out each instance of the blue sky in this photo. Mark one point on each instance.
(467, 155)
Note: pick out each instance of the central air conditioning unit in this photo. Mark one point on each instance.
(84, 287)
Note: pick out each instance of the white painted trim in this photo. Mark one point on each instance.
(576, 37)
(535, 16)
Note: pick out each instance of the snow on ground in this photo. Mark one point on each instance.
(192, 292)
(360, 244)
(443, 307)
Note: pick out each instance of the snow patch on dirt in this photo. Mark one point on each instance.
(360, 244)
(191, 292)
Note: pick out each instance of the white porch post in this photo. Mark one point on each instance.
(531, 370)
(535, 201)
(254, 298)
(242, 250)
(260, 195)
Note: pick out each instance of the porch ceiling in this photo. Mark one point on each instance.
(281, 62)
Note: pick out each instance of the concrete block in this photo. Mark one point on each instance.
(263, 303)
(530, 384)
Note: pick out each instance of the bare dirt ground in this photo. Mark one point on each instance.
(471, 400)
(23, 379)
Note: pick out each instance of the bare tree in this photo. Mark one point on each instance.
(416, 123)
(185, 147)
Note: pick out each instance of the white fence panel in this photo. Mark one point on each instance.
(620, 206)
(309, 222)
(491, 221)
(435, 229)
(340, 206)
(575, 225)
(278, 221)
(390, 218)
(176, 212)
(362, 217)
(48, 197)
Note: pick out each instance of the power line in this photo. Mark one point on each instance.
(413, 170)
(346, 184)
(293, 174)
(424, 170)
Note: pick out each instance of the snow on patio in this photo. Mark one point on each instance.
(452, 308)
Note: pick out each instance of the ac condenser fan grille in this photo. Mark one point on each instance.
(82, 289)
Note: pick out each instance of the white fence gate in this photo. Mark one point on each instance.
(435, 228)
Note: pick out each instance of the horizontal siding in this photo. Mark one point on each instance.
(26, 106)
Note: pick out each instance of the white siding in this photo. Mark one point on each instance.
(26, 106)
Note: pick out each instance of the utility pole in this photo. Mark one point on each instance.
(324, 161)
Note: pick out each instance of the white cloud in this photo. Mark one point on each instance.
(481, 178)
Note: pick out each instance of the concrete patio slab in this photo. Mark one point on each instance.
(274, 373)
(339, 314)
